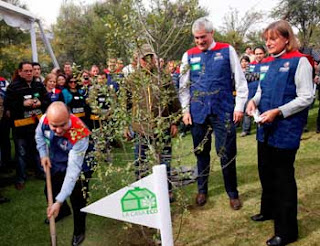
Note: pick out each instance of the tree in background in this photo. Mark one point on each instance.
(93, 33)
(304, 15)
(15, 46)
(237, 30)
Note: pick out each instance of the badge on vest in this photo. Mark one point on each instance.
(263, 71)
(251, 68)
(64, 145)
(218, 56)
(47, 134)
(285, 68)
(195, 60)
(26, 97)
(195, 67)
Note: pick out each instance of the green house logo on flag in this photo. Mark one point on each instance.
(138, 199)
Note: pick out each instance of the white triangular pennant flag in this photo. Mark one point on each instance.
(145, 202)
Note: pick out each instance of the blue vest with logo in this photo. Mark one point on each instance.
(211, 83)
(59, 147)
(278, 88)
(254, 67)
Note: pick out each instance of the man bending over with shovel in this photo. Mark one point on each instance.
(62, 141)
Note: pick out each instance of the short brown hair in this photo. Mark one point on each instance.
(282, 28)
(49, 76)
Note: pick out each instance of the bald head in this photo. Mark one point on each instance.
(58, 117)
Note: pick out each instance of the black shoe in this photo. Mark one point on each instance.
(20, 186)
(59, 217)
(278, 241)
(4, 200)
(171, 197)
(260, 217)
(77, 240)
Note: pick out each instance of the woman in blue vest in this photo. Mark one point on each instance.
(74, 98)
(282, 99)
(53, 94)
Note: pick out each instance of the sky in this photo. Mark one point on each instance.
(47, 10)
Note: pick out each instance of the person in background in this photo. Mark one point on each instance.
(61, 81)
(248, 52)
(24, 99)
(53, 93)
(74, 99)
(252, 76)
(145, 114)
(316, 80)
(282, 98)
(244, 62)
(63, 141)
(37, 72)
(56, 71)
(131, 67)
(94, 71)
(5, 127)
(206, 96)
(4, 137)
(119, 66)
(112, 66)
(172, 69)
(67, 70)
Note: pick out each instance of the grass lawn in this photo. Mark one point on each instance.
(21, 220)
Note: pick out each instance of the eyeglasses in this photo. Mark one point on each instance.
(27, 71)
(72, 82)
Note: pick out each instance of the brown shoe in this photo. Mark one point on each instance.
(201, 199)
(235, 204)
(19, 186)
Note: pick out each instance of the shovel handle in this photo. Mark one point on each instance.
(53, 235)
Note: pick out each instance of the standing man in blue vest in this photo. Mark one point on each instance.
(208, 105)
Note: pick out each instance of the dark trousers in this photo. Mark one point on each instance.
(318, 117)
(279, 189)
(78, 200)
(225, 143)
(142, 162)
(5, 144)
(26, 153)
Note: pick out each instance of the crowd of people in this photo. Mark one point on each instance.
(213, 89)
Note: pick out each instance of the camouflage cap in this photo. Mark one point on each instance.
(145, 50)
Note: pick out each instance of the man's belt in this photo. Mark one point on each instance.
(27, 121)
(79, 115)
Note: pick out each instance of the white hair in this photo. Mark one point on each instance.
(202, 23)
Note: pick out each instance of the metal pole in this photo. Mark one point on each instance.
(33, 42)
(48, 46)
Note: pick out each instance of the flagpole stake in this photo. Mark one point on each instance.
(162, 194)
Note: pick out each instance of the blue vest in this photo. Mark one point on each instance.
(211, 83)
(253, 85)
(59, 147)
(278, 88)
